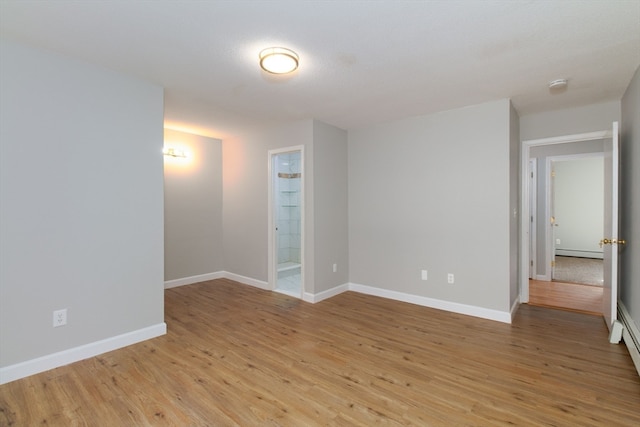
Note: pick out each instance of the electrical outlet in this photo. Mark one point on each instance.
(335, 268)
(424, 275)
(450, 278)
(59, 317)
(557, 241)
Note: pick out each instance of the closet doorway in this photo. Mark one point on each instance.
(286, 221)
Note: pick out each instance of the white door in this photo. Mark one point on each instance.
(533, 204)
(610, 239)
(552, 208)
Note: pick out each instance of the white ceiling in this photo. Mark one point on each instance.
(361, 62)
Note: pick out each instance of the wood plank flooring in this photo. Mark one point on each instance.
(239, 356)
(568, 296)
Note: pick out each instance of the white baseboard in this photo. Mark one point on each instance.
(469, 310)
(321, 296)
(578, 253)
(247, 280)
(62, 358)
(630, 334)
(216, 275)
(193, 279)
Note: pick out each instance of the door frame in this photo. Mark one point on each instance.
(272, 240)
(525, 196)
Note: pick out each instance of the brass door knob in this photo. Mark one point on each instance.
(612, 242)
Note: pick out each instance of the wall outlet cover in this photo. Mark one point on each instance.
(59, 317)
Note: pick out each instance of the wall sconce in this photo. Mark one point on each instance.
(172, 152)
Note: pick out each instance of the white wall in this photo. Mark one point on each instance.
(331, 206)
(514, 204)
(192, 206)
(80, 205)
(245, 200)
(245, 197)
(579, 206)
(570, 121)
(630, 199)
(433, 192)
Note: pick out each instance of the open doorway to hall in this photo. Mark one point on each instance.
(573, 194)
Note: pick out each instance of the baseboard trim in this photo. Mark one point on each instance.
(247, 280)
(579, 254)
(62, 358)
(630, 334)
(321, 296)
(216, 275)
(469, 310)
(193, 279)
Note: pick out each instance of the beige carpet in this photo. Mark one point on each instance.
(587, 271)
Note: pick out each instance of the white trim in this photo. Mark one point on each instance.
(579, 253)
(533, 214)
(247, 280)
(525, 229)
(630, 334)
(62, 358)
(469, 310)
(217, 275)
(193, 279)
(321, 296)
(603, 134)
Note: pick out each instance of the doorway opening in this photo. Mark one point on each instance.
(286, 215)
(546, 279)
(576, 207)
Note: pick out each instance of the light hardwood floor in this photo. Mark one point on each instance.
(568, 296)
(236, 355)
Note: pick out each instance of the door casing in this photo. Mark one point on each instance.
(525, 197)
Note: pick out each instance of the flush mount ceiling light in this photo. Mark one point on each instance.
(278, 60)
(558, 84)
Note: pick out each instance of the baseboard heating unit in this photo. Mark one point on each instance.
(630, 334)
